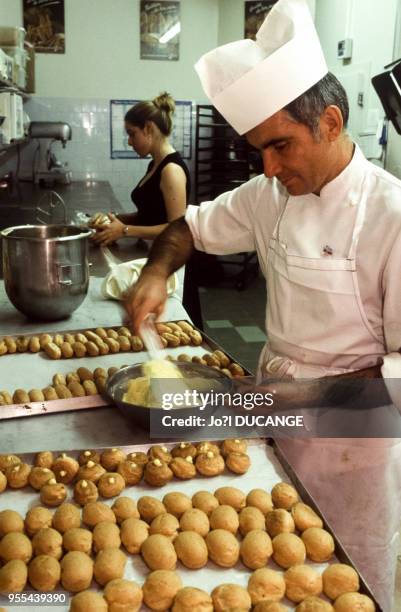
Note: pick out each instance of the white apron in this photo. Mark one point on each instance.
(316, 327)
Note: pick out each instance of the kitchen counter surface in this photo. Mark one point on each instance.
(18, 203)
(88, 428)
(18, 207)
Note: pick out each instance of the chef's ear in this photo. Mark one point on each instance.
(331, 122)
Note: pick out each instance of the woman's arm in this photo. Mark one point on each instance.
(173, 188)
(128, 219)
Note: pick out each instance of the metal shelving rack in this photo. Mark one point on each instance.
(222, 163)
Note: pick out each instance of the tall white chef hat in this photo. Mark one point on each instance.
(248, 81)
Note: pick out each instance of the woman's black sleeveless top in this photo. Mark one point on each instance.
(149, 199)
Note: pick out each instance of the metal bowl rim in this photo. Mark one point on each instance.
(83, 233)
(215, 375)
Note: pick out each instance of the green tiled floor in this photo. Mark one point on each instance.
(236, 319)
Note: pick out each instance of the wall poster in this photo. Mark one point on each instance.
(44, 24)
(255, 13)
(160, 29)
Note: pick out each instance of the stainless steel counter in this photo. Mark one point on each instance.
(18, 207)
(94, 427)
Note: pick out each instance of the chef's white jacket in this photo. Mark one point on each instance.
(244, 220)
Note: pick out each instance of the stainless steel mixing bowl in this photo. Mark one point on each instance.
(194, 374)
(46, 269)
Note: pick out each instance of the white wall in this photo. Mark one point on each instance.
(102, 62)
(231, 19)
(394, 142)
(102, 51)
(371, 26)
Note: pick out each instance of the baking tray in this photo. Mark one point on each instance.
(268, 467)
(38, 369)
(340, 551)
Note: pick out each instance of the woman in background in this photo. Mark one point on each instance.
(162, 194)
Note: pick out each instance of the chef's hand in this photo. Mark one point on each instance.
(109, 233)
(148, 295)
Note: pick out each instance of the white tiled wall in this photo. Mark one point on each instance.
(88, 153)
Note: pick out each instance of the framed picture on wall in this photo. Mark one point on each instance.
(160, 29)
(44, 24)
(255, 13)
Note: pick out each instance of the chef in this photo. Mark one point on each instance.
(326, 225)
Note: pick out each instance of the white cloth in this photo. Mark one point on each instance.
(244, 79)
(122, 276)
(312, 251)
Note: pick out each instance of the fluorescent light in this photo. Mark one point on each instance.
(173, 31)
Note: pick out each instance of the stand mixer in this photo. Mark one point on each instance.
(49, 169)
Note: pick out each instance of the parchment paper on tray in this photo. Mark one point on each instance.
(264, 473)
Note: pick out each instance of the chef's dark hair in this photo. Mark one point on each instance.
(160, 111)
(309, 106)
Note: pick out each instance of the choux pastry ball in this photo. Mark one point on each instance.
(160, 589)
(177, 503)
(189, 599)
(279, 521)
(78, 539)
(66, 517)
(304, 517)
(76, 571)
(37, 518)
(223, 547)
(338, 579)
(231, 496)
(191, 549)
(88, 601)
(228, 597)
(123, 595)
(123, 508)
(158, 553)
(314, 604)
(165, 524)
(195, 520)
(97, 512)
(44, 573)
(256, 549)
(205, 501)
(354, 602)
(48, 541)
(266, 584)
(109, 565)
(284, 496)
(15, 546)
(251, 518)
(270, 606)
(288, 550)
(302, 581)
(149, 507)
(10, 522)
(106, 535)
(319, 544)
(260, 499)
(13, 577)
(224, 517)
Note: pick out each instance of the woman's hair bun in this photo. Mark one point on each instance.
(164, 102)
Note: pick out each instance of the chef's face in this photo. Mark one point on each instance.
(299, 159)
(139, 139)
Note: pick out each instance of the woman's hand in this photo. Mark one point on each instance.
(147, 296)
(110, 232)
